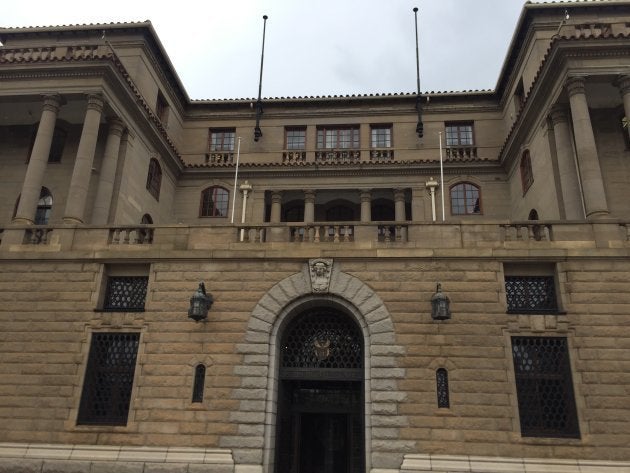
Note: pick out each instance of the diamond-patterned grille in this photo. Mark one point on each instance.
(109, 379)
(530, 294)
(544, 388)
(125, 293)
(200, 377)
(441, 378)
(322, 339)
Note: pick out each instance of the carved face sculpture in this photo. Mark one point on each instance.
(320, 269)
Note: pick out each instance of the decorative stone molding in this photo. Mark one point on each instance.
(320, 270)
(559, 114)
(623, 82)
(575, 85)
(52, 103)
(95, 102)
(253, 444)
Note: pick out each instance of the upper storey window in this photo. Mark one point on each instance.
(465, 199)
(214, 202)
(381, 136)
(295, 138)
(161, 108)
(527, 175)
(154, 178)
(222, 139)
(340, 137)
(459, 134)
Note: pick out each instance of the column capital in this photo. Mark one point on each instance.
(575, 85)
(276, 197)
(116, 126)
(52, 102)
(559, 114)
(399, 195)
(623, 82)
(365, 195)
(95, 102)
(309, 196)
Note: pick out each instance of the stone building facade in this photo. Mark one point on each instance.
(321, 350)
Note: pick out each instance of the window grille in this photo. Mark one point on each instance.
(125, 293)
(546, 403)
(109, 379)
(441, 378)
(198, 385)
(530, 294)
(322, 339)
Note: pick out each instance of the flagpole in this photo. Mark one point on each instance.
(442, 177)
(238, 155)
(420, 125)
(259, 108)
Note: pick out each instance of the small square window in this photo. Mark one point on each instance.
(222, 139)
(295, 138)
(459, 134)
(381, 136)
(125, 293)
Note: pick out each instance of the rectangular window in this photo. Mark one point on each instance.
(459, 134)
(125, 293)
(222, 139)
(295, 138)
(161, 108)
(338, 137)
(108, 379)
(381, 136)
(531, 294)
(544, 388)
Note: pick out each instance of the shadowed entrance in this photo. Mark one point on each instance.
(320, 395)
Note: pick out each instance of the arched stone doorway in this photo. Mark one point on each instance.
(319, 426)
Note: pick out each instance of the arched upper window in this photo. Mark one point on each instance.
(533, 215)
(527, 176)
(465, 199)
(154, 178)
(44, 207)
(146, 219)
(214, 202)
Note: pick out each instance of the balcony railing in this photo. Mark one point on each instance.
(479, 236)
(219, 157)
(461, 152)
(386, 154)
(338, 156)
(293, 157)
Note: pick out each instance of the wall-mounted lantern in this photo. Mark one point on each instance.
(200, 304)
(440, 305)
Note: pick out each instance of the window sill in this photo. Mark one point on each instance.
(535, 312)
(568, 441)
(119, 310)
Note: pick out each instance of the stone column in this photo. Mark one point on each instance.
(105, 188)
(77, 195)
(590, 171)
(624, 87)
(366, 205)
(32, 186)
(399, 205)
(309, 206)
(276, 207)
(570, 186)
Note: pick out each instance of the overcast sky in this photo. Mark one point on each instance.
(313, 47)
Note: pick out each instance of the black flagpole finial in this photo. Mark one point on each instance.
(259, 107)
(420, 125)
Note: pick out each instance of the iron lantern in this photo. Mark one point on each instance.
(200, 304)
(440, 305)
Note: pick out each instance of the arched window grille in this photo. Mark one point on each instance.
(465, 199)
(527, 175)
(441, 378)
(154, 178)
(198, 385)
(44, 207)
(214, 202)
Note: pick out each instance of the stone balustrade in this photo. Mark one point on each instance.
(386, 154)
(465, 235)
(461, 152)
(338, 156)
(219, 158)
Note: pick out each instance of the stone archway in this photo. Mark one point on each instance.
(253, 443)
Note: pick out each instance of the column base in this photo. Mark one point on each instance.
(597, 214)
(22, 221)
(72, 220)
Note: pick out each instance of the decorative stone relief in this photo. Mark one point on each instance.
(320, 270)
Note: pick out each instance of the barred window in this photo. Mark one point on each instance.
(198, 385)
(544, 388)
(441, 378)
(154, 178)
(530, 294)
(108, 379)
(527, 175)
(125, 293)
